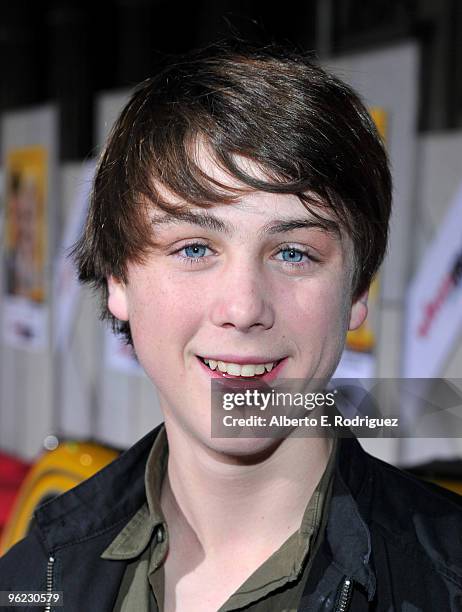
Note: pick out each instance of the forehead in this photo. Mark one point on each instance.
(267, 212)
(260, 213)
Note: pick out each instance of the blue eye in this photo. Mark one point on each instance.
(194, 253)
(292, 255)
(194, 250)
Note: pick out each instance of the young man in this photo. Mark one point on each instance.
(239, 213)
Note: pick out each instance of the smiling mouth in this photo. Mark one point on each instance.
(237, 370)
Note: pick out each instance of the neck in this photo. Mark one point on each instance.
(220, 499)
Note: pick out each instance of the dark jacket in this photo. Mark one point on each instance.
(391, 541)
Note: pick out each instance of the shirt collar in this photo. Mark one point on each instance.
(137, 533)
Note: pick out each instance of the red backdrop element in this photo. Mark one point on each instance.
(12, 473)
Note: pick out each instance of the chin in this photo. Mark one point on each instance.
(245, 450)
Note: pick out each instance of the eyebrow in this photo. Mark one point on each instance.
(276, 226)
(204, 220)
(279, 226)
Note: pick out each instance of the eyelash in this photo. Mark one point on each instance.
(285, 247)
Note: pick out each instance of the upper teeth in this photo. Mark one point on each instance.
(235, 369)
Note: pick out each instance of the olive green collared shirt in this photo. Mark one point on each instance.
(276, 585)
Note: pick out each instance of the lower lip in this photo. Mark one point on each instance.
(266, 377)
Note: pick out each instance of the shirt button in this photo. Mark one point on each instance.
(160, 534)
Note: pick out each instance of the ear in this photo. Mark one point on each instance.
(117, 298)
(358, 312)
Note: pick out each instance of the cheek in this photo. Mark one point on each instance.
(318, 310)
(163, 316)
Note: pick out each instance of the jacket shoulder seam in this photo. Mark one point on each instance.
(420, 484)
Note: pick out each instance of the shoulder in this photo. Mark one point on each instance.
(399, 489)
(420, 520)
(90, 512)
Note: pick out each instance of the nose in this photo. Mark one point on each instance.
(243, 298)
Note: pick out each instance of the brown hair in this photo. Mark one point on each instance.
(308, 131)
